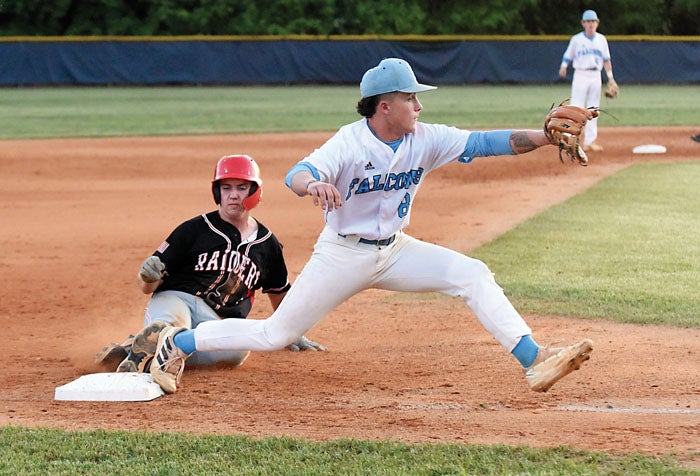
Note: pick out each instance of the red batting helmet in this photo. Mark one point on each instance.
(240, 167)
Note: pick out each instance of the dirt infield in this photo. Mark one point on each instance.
(79, 216)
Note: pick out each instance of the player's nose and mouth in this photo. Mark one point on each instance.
(236, 197)
(233, 197)
(417, 108)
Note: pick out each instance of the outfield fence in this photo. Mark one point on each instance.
(32, 61)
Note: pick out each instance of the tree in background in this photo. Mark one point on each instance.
(343, 17)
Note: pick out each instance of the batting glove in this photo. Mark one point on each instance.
(152, 269)
(302, 343)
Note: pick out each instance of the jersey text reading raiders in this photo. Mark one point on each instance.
(204, 256)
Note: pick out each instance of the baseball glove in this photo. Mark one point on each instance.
(563, 127)
(612, 90)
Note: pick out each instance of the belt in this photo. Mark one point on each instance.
(384, 242)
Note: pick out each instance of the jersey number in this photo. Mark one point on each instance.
(404, 206)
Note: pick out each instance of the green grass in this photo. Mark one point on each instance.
(138, 111)
(128, 111)
(626, 250)
(49, 452)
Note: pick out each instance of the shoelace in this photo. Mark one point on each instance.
(171, 361)
(182, 368)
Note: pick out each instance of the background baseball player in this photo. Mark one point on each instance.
(588, 53)
(366, 178)
(209, 268)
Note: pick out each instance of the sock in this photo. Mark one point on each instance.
(525, 351)
(184, 340)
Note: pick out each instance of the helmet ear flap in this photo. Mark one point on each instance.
(254, 196)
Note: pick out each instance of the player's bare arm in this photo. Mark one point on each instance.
(276, 299)
(147, 288)
(526, 141)
(303, 183)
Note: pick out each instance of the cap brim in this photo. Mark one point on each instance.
(419, 88)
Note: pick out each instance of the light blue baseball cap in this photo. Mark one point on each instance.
(390, 75)
(589, 15)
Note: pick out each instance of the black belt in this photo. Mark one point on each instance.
(384, 242)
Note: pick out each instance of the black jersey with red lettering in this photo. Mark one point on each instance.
(204, 257)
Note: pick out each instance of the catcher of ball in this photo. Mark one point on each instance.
(563, 127)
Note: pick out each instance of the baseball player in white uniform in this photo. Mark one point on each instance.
(366, 178)
(588, 53)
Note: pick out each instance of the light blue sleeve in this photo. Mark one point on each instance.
(487, 143)
(301, 166)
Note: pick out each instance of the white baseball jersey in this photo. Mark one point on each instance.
(377, 185)
(586, 53)
(587, 56)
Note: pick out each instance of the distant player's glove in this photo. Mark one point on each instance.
(612, 90)
(302, 343)
(563, 126)
(152, 269)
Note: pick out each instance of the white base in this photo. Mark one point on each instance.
(110, 387)
(649, 149)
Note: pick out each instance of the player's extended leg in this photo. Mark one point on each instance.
(418, 266)
(180, 309)
(334, 273)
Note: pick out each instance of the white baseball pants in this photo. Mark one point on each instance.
(341, 267)
(585, 92)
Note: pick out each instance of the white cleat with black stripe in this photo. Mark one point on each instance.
(169, 361)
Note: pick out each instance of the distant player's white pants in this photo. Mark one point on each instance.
(186, 310)
(585, 92)
(341, 267)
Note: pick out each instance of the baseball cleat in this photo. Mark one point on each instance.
(552, 365)
(169, 361)
(143, 347)
(113, 353)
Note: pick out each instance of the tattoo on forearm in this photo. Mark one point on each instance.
(522, 142)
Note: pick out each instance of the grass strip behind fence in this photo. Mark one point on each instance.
(27, 113)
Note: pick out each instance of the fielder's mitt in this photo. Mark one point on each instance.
(563, 127)
(612, 90)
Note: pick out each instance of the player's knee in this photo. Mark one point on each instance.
(474, 271)
(473, 277)
(485, 272)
